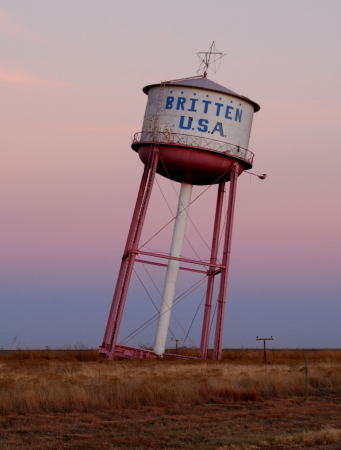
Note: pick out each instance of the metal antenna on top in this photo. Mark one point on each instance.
(209, 59)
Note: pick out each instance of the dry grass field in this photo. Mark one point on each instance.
(74, 400)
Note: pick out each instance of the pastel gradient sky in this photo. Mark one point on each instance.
(71, 74)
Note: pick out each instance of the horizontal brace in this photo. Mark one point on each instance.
(166, 265)
(186, 260)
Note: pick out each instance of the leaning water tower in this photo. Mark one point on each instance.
(195, 132)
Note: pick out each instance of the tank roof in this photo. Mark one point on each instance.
(201, 82)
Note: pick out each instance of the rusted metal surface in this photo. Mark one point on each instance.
(192, 141)
(188, 260)
(185, 110)
(126, 352)
(191, 165)
(221, 301)
(123, 351)
(211, 274)
(154, 263)
(123, 281)
(201, 82)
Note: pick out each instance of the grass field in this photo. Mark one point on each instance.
(72, 399)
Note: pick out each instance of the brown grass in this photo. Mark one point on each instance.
(74, 400)
(283, 356)
(325, 436)
(309, 438)
(49, 355)
(72, 381)
(251, 356)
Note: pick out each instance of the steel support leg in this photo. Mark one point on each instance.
(128, 259)
(124, 262)
(217, 349)
(212, 272)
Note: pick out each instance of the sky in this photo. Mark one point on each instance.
(71, 78)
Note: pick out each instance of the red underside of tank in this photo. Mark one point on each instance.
(191, 165)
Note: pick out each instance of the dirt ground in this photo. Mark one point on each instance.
(234, 425)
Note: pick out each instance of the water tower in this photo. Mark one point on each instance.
(195, 132)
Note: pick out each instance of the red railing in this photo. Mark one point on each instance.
(187, 140)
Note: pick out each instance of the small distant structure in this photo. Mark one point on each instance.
(177, 340)
(264, 344)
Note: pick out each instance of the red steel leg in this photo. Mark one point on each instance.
(128, 259)
(124, 262)
(212, 272)
(225, 262)
(132, 254)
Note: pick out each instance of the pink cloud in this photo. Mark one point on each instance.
(24, 78)
(11, 27)
(95, 129)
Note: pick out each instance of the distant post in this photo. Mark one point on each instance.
(177, 340)
(264, 344)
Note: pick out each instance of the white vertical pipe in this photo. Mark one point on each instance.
(173, 267)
